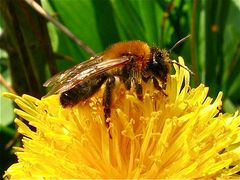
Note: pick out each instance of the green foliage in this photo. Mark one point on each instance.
(213, 52)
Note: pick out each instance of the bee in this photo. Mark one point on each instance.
(130, 61)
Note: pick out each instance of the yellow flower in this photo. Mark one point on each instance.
(181, 135)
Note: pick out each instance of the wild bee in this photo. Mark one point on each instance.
(130, 61)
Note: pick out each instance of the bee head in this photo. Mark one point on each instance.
(158, 65)
(159, 62)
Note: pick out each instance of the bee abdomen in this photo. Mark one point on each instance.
(82, 91)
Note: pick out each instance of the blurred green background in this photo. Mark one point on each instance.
(32, 48)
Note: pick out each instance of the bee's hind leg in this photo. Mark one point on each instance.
(107, 100)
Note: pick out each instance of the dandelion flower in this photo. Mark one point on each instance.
(181, 135)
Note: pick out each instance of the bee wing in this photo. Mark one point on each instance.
(79, 73)
(61, 76)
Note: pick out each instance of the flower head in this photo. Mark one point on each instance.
(181, 135)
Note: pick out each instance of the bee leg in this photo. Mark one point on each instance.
(157, 86)
(139, 90)
(138, 87)
(126, 77)
(145, 79)
(127, 83)
(107, 98)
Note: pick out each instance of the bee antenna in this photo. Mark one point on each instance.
(179, 42)
(180, 65)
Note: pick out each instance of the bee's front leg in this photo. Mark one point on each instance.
(158, 87)
(107, 99)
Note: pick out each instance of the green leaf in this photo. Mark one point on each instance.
(6, 105)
